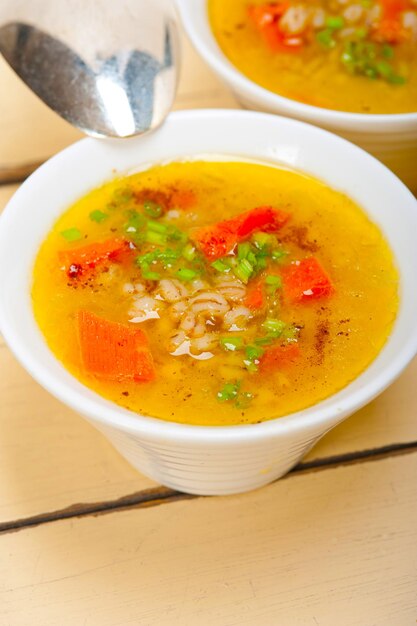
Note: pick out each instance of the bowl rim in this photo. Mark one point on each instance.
(369, 122)
(106, 413)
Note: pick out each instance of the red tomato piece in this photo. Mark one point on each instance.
(390, 28)
(266, 18)
(279, 357)
(219, 239)
(255, 298)
(306, 280)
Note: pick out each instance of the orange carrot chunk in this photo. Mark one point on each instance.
(306, 281)
(219, 239)
(279, 357)
(390, 28)
(255, 298)
(88, 257)
(113, 351)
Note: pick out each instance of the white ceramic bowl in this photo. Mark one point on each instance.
(391, 138)
(196, 459)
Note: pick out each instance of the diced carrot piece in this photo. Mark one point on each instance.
(88, 257)
(279, 357)
(264, 14)
(390, 28)
(219, 239)
(306, 280)
(113, 351)
(255, 298)
(266, 18)
(183, 199)
(393, 8)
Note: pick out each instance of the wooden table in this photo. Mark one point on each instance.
(86, 540)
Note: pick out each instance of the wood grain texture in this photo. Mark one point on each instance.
(50, 458)
(336, 547)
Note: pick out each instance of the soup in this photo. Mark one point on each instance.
(215, 293)
(348, 55)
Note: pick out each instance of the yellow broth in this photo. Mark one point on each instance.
(340, 55)
(338, 335)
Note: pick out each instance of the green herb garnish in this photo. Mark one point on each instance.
(244, 270)
(152, 208)
(274, 327)
(98, 216)
(228, 392)
(220, 266)
(231, 343)
(71, 234)
(186, 274)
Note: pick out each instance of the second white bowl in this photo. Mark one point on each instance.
(391, 138)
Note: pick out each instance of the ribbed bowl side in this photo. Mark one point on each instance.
(207, 471)
(398, 151)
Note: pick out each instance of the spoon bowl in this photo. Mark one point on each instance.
(110, 69)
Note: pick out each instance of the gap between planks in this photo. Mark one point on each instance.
(17, 174)
(164, 495)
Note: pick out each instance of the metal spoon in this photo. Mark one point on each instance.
(109, 68)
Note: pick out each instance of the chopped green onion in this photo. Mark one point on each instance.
(387, 51)
(254, 352)
(371, 72)
(260, 263)
(335, 22)
(265, 341)
(175, 234)
(231, 343)
(152, 208)
(243, 250)
(186, 274)
(361, 33)
(158, 239)
(252, 258)
(220, 266)
(136, 222)
(167, 255)
(290, 333)
(262, 240)
(146, 272)
(98, 216)
(396, 79)
(151, 275)
(278, 254)
(189, 252)
(325, 38)
(250, 366)
(157, 227)
(228, 392)
(243, 270)
(273, 280)
(384, 69)
(274, 327)
(244, 399)
(145, 259)
(122, 195)
(71, 234)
